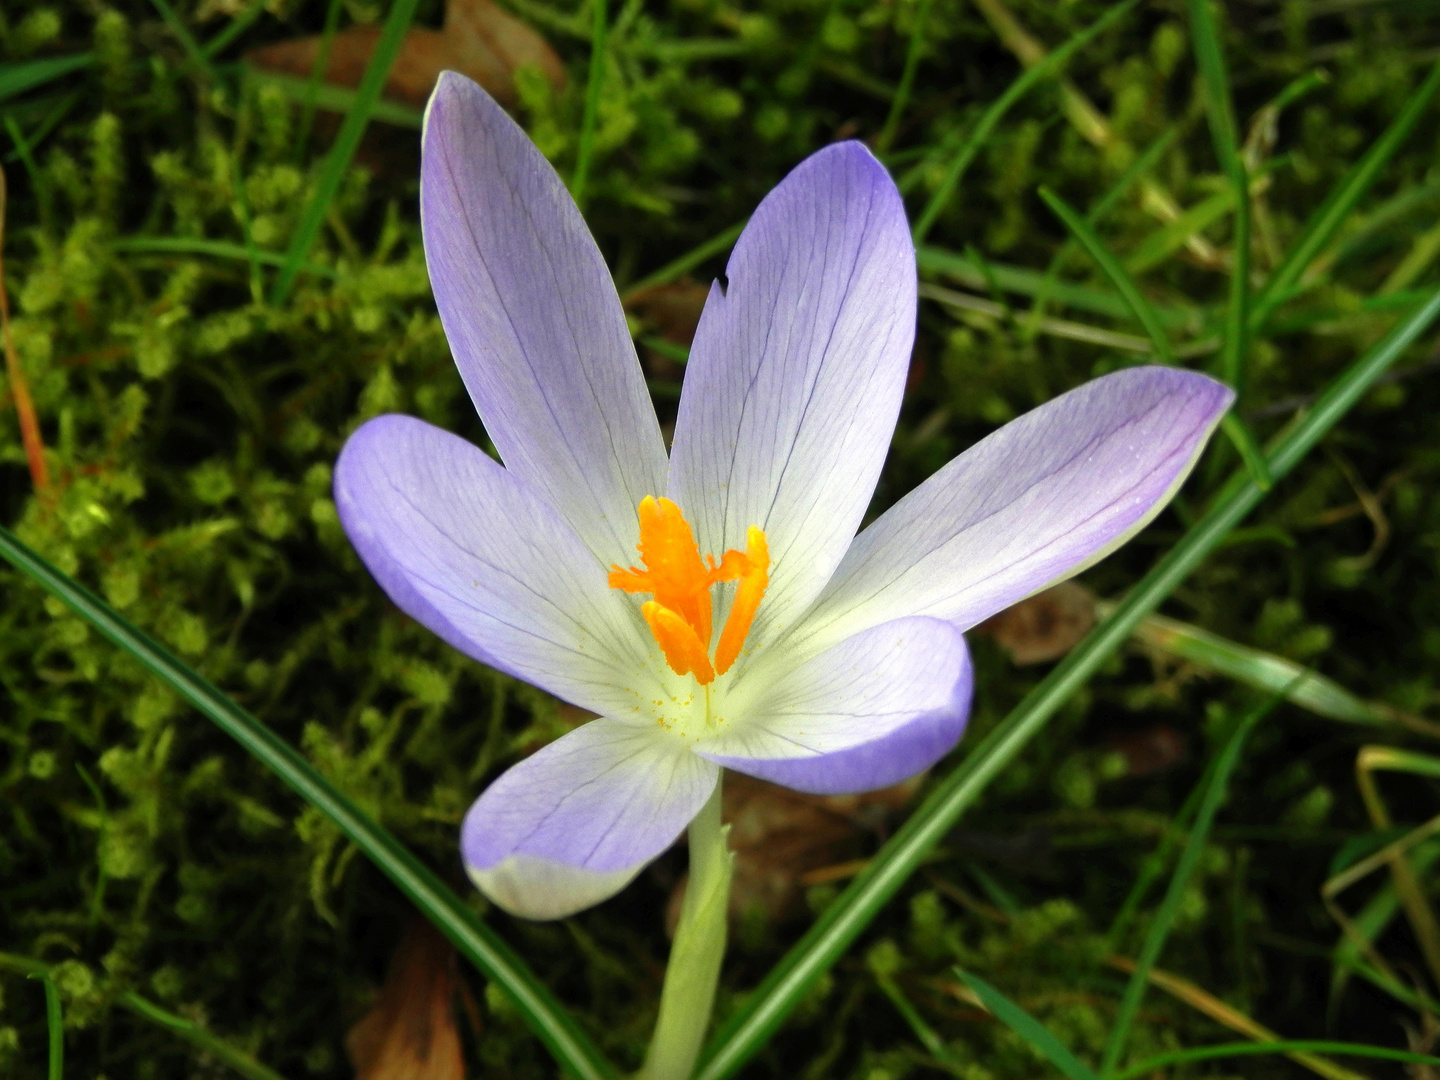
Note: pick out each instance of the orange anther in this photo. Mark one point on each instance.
(683, 649)
(680, 580)
(747, 599)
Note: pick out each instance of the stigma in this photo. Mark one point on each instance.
(680, 581)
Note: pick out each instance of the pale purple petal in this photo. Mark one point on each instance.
(1033, 503)
(532, 318)
(796, 373)
(576, 821)
(864, 714)
(467, 549)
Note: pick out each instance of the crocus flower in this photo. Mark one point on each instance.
(715, 607)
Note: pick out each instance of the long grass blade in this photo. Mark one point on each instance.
(845, 919)
(996, 112)
(1027, 282)
(1164, 919)
(310, 96)
(1326, 221)
(1210, 58)
(16, 78)
(187, 1030)
(336, 99)
(684, 264)
(1129, 291)
(907, 78)
(594, 84)
(474, 940)
(55, 1025)
(1140, 167)
(193, 51)
(1027, 1027)
(238, 25)
(337, 162)
(1206, 1003)
(219, 249)
(1124, 284)
(1264, 671)
(1152, 1065)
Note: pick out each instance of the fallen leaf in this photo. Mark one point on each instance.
(1045, 626)
(410, 1032)
(478, 39)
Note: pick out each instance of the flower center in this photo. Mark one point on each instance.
(680, 580)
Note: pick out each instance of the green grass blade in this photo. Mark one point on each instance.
(1145, 314)
(1326, 221)
(907, 78)
(685, 263)
(1153, 1065)
(1124, 284)
(219, 249)
(1027, 282)
(310, 97)
(16, 78)
(337, 162)
(594, 83)
(1027, 1027)
(1263, 670)
(54, 1024)
(1141, 166)
(845, 919)
(238, 25)
(1244, 441)
(1155, 863)
(1210, 58)
(1176, 234)
(992, 116)
(191, 1032)
(474, 940)
(1159, 932)
(187, 41)
(927, 1036)
(330, 98)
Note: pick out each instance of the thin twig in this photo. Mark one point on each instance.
(19, 388)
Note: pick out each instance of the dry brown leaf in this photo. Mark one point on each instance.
(410, 1032)
(1045, 626)
(478, 39)
(780, 836)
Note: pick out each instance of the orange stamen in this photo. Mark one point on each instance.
(747, 599)
(683, 649)
(680, 580)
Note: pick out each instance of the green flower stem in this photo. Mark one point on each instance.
(689, 992)
(474, 940)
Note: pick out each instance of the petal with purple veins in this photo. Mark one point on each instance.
(866, 713)
(796, 373)
(1035, 502)
(575, 822)
(467, 549)
(532, 318)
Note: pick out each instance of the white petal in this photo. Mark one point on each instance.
(1035, 502)
(796, 373)
(574, 822)
(532, 318)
